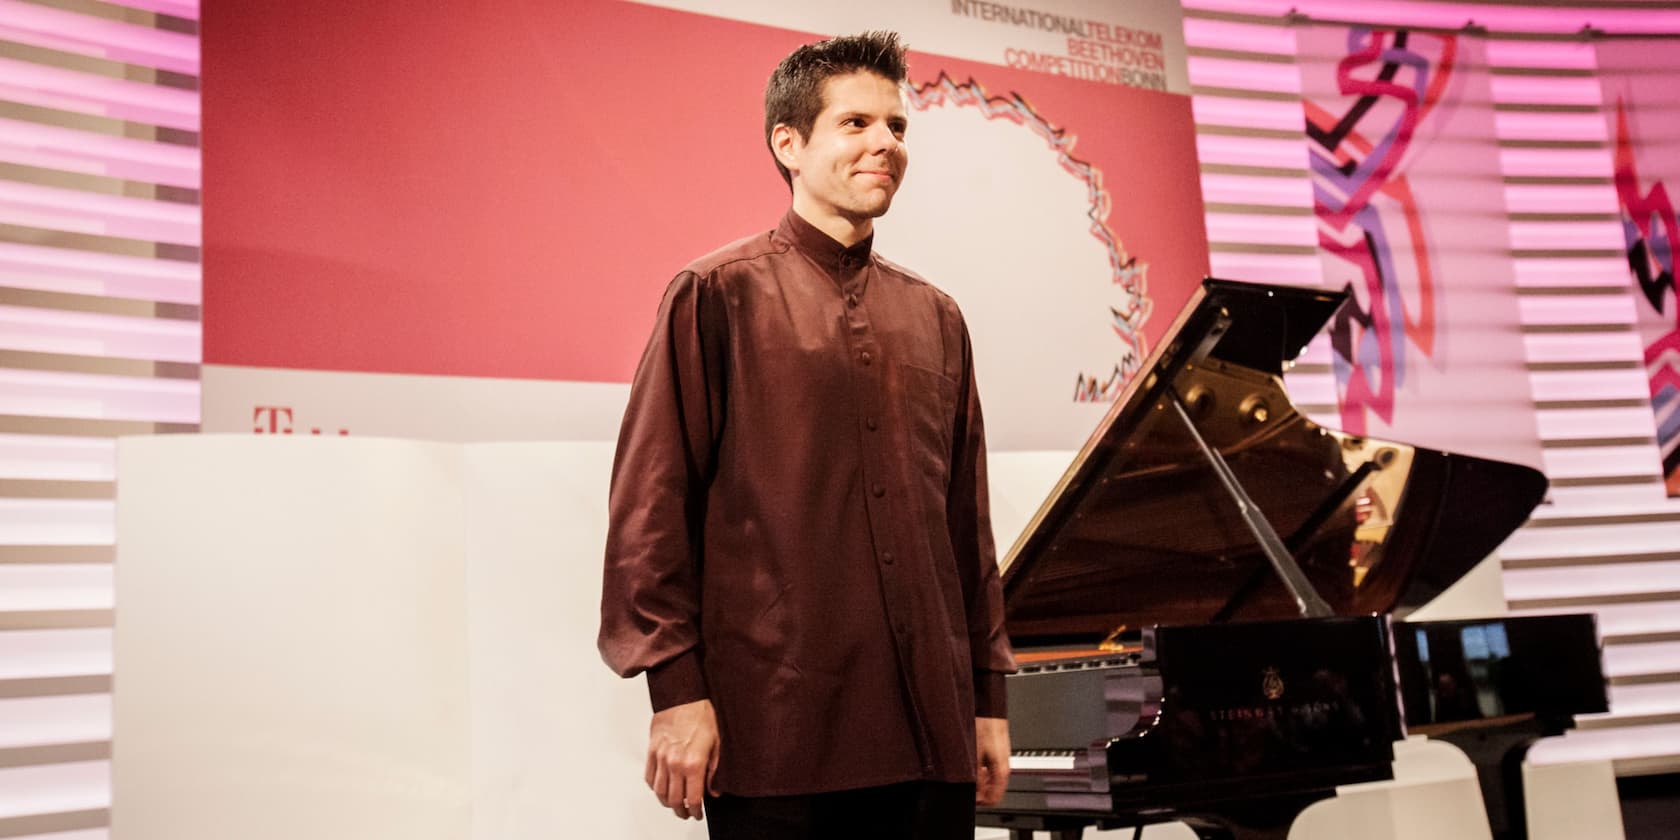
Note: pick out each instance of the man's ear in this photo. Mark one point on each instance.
(786, 143)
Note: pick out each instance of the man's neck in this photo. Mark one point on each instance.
(844, 230)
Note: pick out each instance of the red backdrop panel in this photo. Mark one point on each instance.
(504, 190)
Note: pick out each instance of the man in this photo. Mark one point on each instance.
(799, 552)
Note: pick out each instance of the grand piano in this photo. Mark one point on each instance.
(1203, 607)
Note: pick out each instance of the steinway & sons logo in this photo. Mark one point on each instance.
(1272, 688)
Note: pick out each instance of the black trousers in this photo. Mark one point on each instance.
(906, 811)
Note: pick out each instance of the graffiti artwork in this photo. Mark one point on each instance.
(1652, 231)
(1368, 216)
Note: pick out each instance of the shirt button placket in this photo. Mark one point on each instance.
(897, 611)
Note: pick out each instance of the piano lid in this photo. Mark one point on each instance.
(1140, 530)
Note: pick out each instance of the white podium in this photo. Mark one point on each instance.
(345, 638)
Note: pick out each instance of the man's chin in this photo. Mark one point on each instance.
(874, 208)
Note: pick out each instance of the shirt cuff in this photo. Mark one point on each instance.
(677, 682)
(991, 699)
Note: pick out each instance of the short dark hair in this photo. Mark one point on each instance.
(794, 95)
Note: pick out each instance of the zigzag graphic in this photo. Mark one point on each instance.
(1127, 272)
(1349, 173)
(1652, 231)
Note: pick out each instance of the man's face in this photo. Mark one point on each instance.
(852, 163)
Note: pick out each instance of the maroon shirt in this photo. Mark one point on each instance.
(798, 521)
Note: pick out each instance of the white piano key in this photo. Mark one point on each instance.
(1041, 762)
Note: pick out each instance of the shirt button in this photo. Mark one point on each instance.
(866, 358)
(851, 301)
(877, 491)
(871, 423)
(887, 558)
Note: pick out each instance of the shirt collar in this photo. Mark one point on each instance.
(824, 249)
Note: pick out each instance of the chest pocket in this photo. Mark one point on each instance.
(929, 399)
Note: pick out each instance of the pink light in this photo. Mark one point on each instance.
(1311, 388)
(87, 273)
(1585, 347)
(1606, 744)
(72, 719)
(1254, 189)
(1288, 269)
(1630, 619)
(92, 334)
(57, 522)
(1598, 309)
(99, 154)
(1528, 125)
(50, 87)
(1553, 54)
(1267, 230)
(1576, 163)
(1600, 580)
(1252, 151)
(1575, 423)
(1317, 351)
(54, 653)
(58, 586)
(1602, 460)
(97, 213)
(45, 457)
(1561, 198)
(85, 35)
(1546, 90)
(1551, 385)
(1572, 271)
(55, 788)
(1590, 540)
(1498, 18)
(1566, 235)
(1649, 658)
(33, 393)
(1248, 113)
(1614, 498)
(1248, 37)
(174, 8)
(1247, 75)
(1653, 699)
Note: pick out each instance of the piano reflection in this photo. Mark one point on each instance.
(1201, 608)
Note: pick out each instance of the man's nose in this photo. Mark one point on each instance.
(882, 139)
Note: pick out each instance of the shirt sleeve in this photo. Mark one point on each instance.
(650, 593)
(968, 515)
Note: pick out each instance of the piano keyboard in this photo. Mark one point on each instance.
(1043, 760)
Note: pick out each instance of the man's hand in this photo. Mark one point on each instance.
(991, 772)
(682, 755)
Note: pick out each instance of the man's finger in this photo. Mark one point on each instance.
(996, 784)
(711, 771)
(660, 781)
(694, 783)
(988, 785)
(674, 792)
(652, 765)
